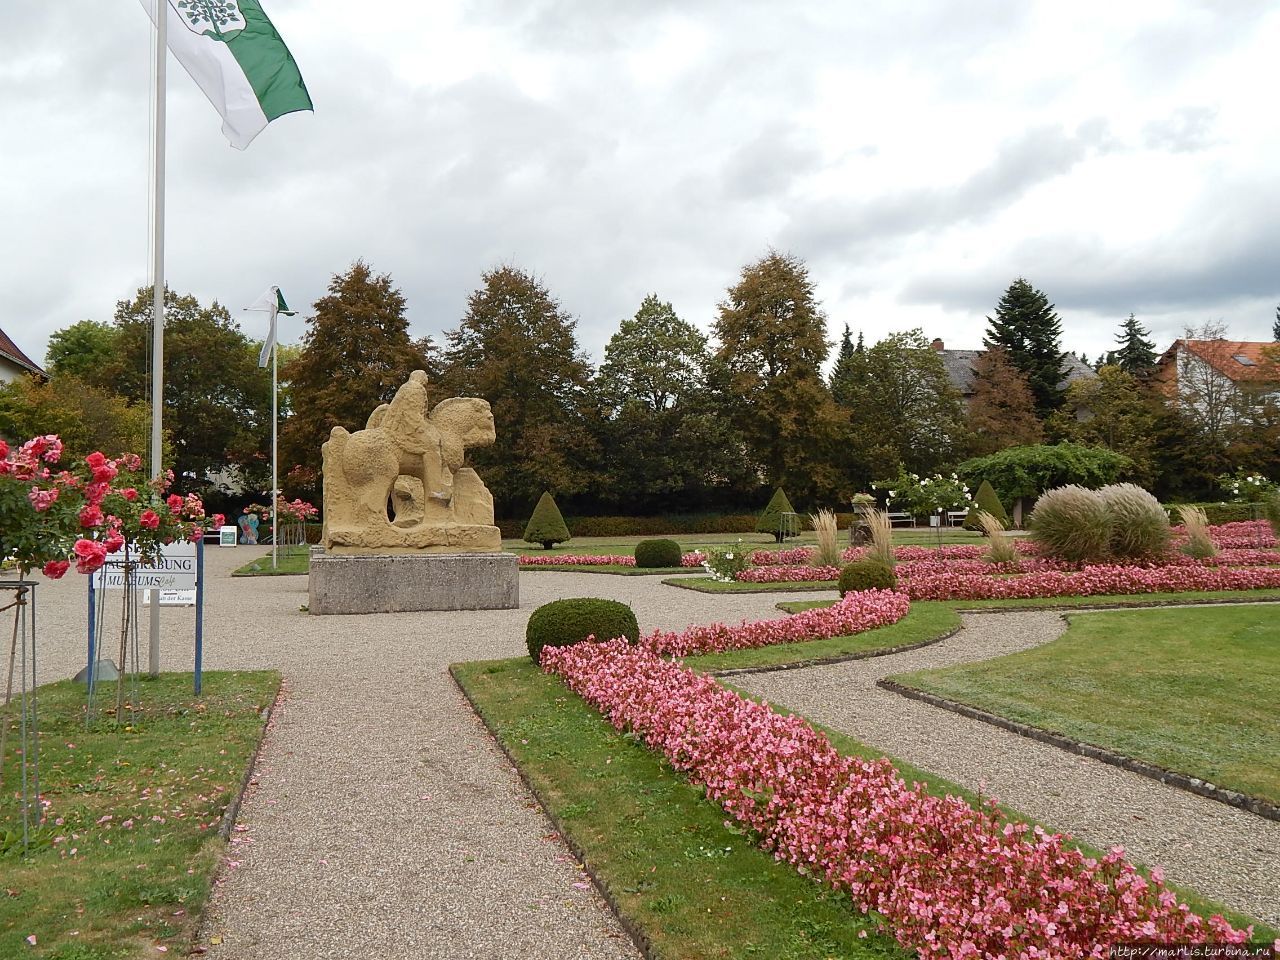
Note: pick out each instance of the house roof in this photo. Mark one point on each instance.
(1239, 360)
(11, 351)
(959, 366)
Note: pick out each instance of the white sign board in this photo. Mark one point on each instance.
(226, 536)
(172, 598)
(174, 569)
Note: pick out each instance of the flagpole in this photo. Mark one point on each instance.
(275, 492)
(157, 324)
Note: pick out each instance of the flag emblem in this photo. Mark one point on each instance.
(216, 19)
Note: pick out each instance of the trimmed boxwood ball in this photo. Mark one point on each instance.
(562, 623)
(658, 553)
(867, 573)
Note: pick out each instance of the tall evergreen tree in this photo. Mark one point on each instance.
(1136, 354)
(1275, 327)
(772, 340)
(1029, 329)
(845, 371)
(517, 349)
(355, 355)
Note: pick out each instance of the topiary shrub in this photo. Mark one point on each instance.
(867, 573)
(770, 521)
(562, 623)
(658, 553)
(546, 526)
(986, 500)
(1139, 525)
(1071, 523)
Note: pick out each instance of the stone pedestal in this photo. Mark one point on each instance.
(405, 582)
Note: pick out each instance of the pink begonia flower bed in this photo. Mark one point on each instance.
(1091, 581)
(855, 613)
(693, 559)
(951, 881)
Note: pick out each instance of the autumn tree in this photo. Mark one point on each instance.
(86, 417)
(1134, 353)
(355, 354)
(772, 337)
(1028, 328)
(1001, 411)
(81, 349)
(516, 348)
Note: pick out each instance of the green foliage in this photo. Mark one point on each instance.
(1215, 513)
(1001, 412)
(86, 417)
(1026, 471)
(922, 496)
(81, 349)
(869, 572)
(986, 500)
(355, 355)
(770, 521)
(1136, 354)
(546, 526)
(651, 554)
(562, 623)
(1139, 525)
(516, 347)
(725, 563)
(1118, 411)
(1028, 328)
(1072, 523)
(1271, 510)
(1247, 486)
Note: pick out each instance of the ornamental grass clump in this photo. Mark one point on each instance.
(1139, 525)
(1000, 546)
(827, 529)
(562, 623)
(653, 554)
(1198, 544)
(881, 536)
(1073, 524)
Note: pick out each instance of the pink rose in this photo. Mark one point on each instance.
(129, 493)
(174, 503)
(91, 516)
(54, 569)
(149, 519)
(90, 555)
(114, 542)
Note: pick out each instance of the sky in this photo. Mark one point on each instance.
(917, 156)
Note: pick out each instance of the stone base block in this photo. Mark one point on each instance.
(403, 582)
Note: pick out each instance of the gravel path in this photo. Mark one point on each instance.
(1224, 853)
(384, 822)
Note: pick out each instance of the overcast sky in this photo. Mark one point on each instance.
(917, 155)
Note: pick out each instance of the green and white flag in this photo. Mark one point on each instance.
(235, 56)
(271, 302)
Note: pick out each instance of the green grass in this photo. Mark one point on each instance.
(1192, 690)
(696, 888)
(708, 585)
(132, 881)
(925, 621)
(291, 561)
(1078, 603)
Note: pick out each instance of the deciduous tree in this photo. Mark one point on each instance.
(81, 349)
(1001, 412)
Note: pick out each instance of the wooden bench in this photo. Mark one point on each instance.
(955, 518)
(898, 518)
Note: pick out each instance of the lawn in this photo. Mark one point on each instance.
(1191, 690)
(125, 862)
(695, 887)
(290, 561)
(708, 585)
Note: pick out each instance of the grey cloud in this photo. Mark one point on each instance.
(1184, 131)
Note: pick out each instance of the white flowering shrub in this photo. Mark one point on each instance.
(725, 563)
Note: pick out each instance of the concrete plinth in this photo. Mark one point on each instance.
(403, 582)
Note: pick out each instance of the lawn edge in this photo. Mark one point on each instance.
(838, 658)
(232, 813)
(1182, 781)
(634, 931)
(793, 586)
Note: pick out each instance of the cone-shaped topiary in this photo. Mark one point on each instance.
(868, 572)
(652, 554)
(1072, 523)
(986, 499)
(1139, 525)
(546, 526)
(771, 520)
(562, 623)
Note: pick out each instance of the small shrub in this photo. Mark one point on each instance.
(725, 563)
(770, 520)
(1199, 544)
(868, 572)
(1139, 525)
(546, 526)
(986, 500)
(1000, 547)
(1071, 523)
(651, 554)
(562, 623)
(828, 552)
(881, 536)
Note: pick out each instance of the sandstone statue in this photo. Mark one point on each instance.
(400, 485)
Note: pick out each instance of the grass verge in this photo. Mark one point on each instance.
(1191, 690)
(708, 585)
(1138, 600)
(691, 886)
(287, 564)
(126, 858)
(924, 622)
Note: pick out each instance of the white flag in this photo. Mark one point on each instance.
(235, 56)
(271, 302)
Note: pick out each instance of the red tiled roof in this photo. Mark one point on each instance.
(1239, 360)
(11, 350)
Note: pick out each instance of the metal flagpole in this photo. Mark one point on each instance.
(275, 484)
(157, 327)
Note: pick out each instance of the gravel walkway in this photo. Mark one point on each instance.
(1224, 853)
(384, 822)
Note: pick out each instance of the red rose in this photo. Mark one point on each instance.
(91, 516)
(90, 555)
(113, 542)
(149, 519)
(174, 503)
(129, 493)
(218, 520)
(54, 569)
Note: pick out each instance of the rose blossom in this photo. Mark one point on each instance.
(149, 519)
(90, 555)
(91, 516)
(54, 569)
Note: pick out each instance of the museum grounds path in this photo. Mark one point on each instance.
(384, 822)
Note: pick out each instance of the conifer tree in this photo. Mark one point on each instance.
(546, 526)
(770, 520)
(1275, 327)
(1135, 354)
(846, 370)
(1027, 326)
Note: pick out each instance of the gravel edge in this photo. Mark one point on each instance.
(839, 658)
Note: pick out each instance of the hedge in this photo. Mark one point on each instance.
(1219, 513)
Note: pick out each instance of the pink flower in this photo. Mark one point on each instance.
(129, 493)
(103, 470)
(54, 569)
(42, 500)
(174, 503)
(218, 520)
(90, 555)
(91, 516)
(149, 519)
(113, 542)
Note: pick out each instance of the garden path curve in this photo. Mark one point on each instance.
(1220, 851)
